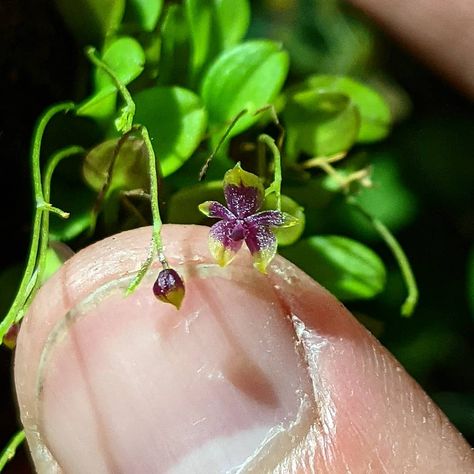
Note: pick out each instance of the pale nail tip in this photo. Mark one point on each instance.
(43, 459)
(226, 454)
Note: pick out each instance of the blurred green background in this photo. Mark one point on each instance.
(424, 179)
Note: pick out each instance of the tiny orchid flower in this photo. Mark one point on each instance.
(169, 287)
(240, 220)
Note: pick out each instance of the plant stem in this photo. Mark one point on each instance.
(125, 122)
(205, 167)
(48, 174)
(101, 196)
(275, 187)
(125, 125)
(400, 256)
(10, 449)
(157, 243)
(155, 207)
(44, 235)
(30, 276)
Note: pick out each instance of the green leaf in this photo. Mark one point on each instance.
(78, 200)
(389, 199)
(320, 123)
(288, 235)
(345, 267)
(126, 58)
(92, 21)
(176, 121)
(375, 116)
(188, 174)
(175, 55)
(145, 13)
(130, 170)
(215, 25)
(100, 106)
(248, 76)
(183, 205)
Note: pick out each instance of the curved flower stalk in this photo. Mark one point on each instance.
(169, 286)
(242, 220)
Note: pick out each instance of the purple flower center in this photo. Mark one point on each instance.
(240, 231)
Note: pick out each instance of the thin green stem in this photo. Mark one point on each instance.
(48, 174)
(37, 279)
(108, 180)
(205, 167)
(412, 298)
(10, 449)
(142, 272)
(157, 243)
(45, 206)
(36, 147)
(271, 108)
(30, 277)
(275, 187)
(124, 123)
(155, 208)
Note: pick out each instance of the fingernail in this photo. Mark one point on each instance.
(132, 385)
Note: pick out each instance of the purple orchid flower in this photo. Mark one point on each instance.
(241, 221)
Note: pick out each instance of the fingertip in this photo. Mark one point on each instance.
(262, 371)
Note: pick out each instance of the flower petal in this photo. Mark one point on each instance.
(216, 210)
(273, 219)
(262, 244)
(243, 192)
(223, 248)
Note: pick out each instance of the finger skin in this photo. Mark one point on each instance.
(440, 32)
(123, 389)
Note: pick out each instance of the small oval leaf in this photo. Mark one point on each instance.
(183, 205)
(92, 20)
(320, 123)
(347, 268)
(126, 58)
(145, 13)
(215, 25)
(176, 120)
(248, 76)
(130, 170)
(374, 111)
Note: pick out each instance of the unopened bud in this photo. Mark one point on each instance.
(169, 287)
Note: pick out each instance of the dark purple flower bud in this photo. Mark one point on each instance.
(9, 339)
(169, 287)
